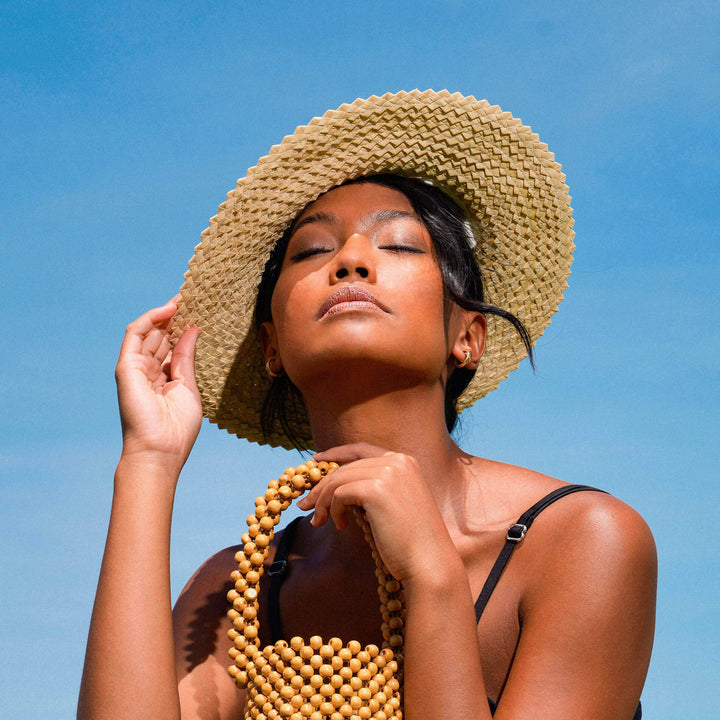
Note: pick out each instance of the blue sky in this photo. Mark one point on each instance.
(123, 128)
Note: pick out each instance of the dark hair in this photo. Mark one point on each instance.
(452, 239)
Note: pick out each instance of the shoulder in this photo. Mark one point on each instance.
(586, 517)
(200, 628)
(591, 550)
(598, 525)
(203, 602)
(586, 577)
(587, 538)
(209, 580)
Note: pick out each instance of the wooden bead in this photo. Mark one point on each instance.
(354, 647)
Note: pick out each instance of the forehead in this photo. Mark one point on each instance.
(357, 199)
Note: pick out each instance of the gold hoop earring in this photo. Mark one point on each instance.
(465, 360)
(270, 372)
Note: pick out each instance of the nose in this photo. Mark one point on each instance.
(354, 260)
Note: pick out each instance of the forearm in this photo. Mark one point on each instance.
(129, 665)
(443, 677)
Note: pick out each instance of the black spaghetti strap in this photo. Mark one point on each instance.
(514, 536)
(276, 571)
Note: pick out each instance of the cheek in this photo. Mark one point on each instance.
(426, 292)
(291, 305)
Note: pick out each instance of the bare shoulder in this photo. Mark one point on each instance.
(200, 629)
(598, 527)
(585, 580)
(199, 615)
(210, 578)
(586, 539)
(596, 516)
(591, 563)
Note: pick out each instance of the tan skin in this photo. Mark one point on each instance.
(568, 630)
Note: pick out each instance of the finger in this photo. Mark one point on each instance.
(163, 351)
(138, 329)
(343, 497)
(156, 343)
(320, 497)
(361, 469)
(326, 484)
(350, 453)
(355, 483)
(182, 363)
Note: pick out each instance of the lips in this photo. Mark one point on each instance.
(350, 298)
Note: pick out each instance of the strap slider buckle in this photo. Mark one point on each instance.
(277, 567)
(516, 533)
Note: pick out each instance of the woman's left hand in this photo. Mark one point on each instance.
(407, 526)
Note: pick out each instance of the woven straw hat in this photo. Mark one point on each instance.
(508, 181)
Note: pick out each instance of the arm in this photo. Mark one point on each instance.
(129, 665)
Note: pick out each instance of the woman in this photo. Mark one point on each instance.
(373, 329)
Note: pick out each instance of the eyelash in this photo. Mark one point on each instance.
(309, 252)
(402, 248)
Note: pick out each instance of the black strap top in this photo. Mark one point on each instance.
(514, 536)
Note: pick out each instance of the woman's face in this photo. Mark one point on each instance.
(359, 288)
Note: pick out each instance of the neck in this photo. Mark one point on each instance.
(406, 420)
(409, 421)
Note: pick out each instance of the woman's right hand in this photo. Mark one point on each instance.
(160, 406)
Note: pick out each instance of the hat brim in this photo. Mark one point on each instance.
(507, 180)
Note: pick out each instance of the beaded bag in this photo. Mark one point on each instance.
(317, 679)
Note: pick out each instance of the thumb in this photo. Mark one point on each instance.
(182, 362)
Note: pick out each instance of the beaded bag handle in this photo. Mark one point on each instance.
(315, 679)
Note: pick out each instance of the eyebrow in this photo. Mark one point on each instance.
(368, 220)
(316, 217)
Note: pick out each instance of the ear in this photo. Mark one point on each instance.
(269, 346)
(470, 339)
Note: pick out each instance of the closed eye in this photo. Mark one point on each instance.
(309, 252)
(400, 248)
